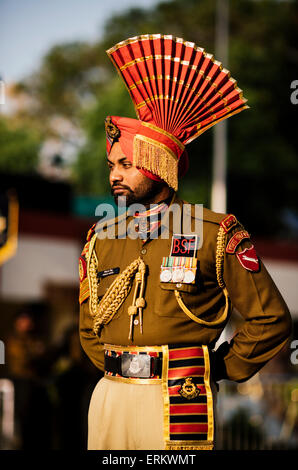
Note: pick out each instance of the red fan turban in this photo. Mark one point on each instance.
(138, 138)
(179, 91)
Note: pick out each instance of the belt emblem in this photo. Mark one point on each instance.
(188, 389)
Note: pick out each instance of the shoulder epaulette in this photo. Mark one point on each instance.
(213, 217)
(206, 215)
(229, 222)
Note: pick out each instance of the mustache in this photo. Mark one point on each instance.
(120, 186)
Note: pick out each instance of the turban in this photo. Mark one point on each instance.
(178, 91)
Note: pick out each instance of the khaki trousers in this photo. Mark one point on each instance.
(124, 416)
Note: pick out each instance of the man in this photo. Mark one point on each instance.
(155, 295)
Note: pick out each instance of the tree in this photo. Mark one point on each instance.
(19, 147)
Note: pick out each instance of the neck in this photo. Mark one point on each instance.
(164, 194)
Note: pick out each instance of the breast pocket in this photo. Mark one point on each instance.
(166, 303)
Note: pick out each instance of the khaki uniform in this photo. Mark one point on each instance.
(267, 320)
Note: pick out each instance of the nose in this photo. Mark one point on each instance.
(115, 175)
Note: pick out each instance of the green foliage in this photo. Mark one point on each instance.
(90, 170)
(69, 77)
(19, 147)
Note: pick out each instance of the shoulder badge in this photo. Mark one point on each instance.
(248, 258)
(82, 268)
(235, 240)
(228, 223)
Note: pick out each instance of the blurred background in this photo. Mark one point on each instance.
(56, 87)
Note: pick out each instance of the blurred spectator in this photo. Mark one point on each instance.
(24, 350)
(74, 379)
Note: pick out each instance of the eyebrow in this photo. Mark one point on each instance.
(121, 160)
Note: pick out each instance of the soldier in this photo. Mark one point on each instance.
(155, 296)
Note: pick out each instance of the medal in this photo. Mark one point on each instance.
(166, 275)
(189, 277)
(166, 270)
(178, 271)
(178, 275)
(190, 270)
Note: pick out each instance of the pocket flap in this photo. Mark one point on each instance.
(180, 286)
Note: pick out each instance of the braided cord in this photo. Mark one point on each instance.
(115, 296)
(220, 251)
(92, 264)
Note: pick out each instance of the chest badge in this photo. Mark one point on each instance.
(184, 245)
(188, 389)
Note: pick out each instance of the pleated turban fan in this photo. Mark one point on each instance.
(178, 91)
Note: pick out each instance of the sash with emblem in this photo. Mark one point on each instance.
(189, 421)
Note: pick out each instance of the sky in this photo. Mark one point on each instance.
(28, 28)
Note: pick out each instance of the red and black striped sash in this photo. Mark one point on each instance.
(188, 394)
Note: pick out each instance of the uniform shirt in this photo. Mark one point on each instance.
(267, 323)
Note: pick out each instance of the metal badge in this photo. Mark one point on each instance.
(136, 365)
(111, 129)
(188, 389)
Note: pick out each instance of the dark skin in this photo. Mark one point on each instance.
(127, 181)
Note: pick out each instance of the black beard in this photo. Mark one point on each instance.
(144, 194)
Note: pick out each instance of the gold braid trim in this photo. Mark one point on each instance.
(193, 317)
(84, 291)
(203, 447)
(189, 445)
(157, 158)
(115, 295)
(92, 264)
(220, 251)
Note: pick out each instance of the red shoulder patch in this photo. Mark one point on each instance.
(82, 268)
(91, 232)
(248, 258)
(228, 222)
(235, 240)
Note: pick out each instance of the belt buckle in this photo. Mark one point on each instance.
(136, 365)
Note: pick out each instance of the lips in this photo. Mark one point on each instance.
(119, 189)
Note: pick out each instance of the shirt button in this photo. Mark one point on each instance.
(143, 251)
(178, 285)
(136, 321)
